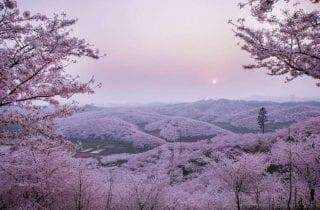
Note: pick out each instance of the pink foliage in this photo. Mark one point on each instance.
(47, 180)
(37, 170)
(241, 176)
(35, 49)
(288, 44)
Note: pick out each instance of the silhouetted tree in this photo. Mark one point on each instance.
(262, 118)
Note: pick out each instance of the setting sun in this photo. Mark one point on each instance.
(214, 81)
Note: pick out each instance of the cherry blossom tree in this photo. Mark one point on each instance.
(288, 43)
(283, 154)
(35, 49)
(148, 192)
(300, 161)
(33, 179)
(36, 169)
(90, 191)
(140, 191)
(307, 165)
(242, 175)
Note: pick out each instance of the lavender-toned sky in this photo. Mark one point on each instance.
(166, 51)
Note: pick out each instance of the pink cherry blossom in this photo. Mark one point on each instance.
(288, 44)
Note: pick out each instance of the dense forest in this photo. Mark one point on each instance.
(210, 154)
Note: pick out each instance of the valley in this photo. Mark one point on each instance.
(112, 130)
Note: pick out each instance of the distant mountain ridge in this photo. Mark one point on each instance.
(235, 115)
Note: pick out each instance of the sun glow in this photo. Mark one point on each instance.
(214, 81)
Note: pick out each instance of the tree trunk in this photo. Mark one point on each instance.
(300, 205)
(312, 199)
(110, 191)
(295, 198)
(238, 200)
(290, 180)
(290, 195)
(79, 207)
(257, 196)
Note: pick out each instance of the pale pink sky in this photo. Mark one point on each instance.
(166, 50)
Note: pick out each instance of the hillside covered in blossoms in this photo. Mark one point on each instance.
(145, 127)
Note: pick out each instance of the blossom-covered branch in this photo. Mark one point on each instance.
(288, 44)
(34, 51)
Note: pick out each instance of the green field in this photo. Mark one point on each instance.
(103, 147)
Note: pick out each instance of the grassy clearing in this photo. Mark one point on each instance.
(99, 147)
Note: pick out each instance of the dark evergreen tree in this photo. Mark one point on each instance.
(262, 118)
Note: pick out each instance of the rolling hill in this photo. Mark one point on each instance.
(136, 129)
